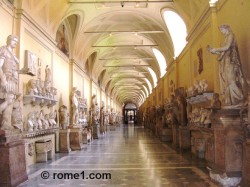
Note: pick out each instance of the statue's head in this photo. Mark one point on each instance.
(12, 38)
(224, 28)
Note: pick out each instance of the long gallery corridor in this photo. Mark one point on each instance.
(129, 156)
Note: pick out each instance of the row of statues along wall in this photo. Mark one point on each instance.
(11, 99)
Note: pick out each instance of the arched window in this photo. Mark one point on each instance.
(161, 61)
(153, 76)
(149, 85)
(177, 29)
(146, 90)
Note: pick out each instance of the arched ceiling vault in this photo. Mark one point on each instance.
(121, 34)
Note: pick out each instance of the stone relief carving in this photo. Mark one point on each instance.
(200, 117)
(200, 57)
(8, 81)
(199, 86)
(31, 149)
(29, 63)
(232, 81)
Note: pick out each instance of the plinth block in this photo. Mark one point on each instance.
(96, 131)
(246, 163)
(12, 160)
(166, 135)
(175, 136)
(64, 144)
(112, 127)
(75, 137)
(229, 137)
(184, 137)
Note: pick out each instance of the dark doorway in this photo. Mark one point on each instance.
(130, 113)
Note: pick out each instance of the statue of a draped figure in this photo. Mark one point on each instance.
(232, 81)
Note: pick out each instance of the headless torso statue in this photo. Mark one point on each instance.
(8, 81)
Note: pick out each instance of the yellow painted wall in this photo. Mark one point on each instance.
(188, 62)
(6, 20)
(104, 98)
(61, 72)
(170, 75)
(86, 92)
(78, 80)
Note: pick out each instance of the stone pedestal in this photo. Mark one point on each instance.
(229, 137)
(57, 139)
(75, 137)
(102, 129)
(64, 143)
(175, 131)
(166, 135)
(209, 154)
(112, 127)
(12, 160)
(228, 141)
(184, 137)
(246, 163)
(85, 136)
(96, 131)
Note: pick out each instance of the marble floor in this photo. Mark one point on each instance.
(130, 156)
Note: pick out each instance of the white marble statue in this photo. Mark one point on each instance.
(46, 124)
(47, 81)
(74, 106)
(8, 81)
(17, 115)
(35, 121)
(30, 125)
(40, 120)
(95, 110)
(32, 87)
(203, 86)
(52, 121)
(232, 81)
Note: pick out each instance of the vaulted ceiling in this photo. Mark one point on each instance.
(112, 40)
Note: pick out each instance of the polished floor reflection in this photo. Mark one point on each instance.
(129, 156)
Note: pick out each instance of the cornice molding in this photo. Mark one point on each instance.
(23, 15)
